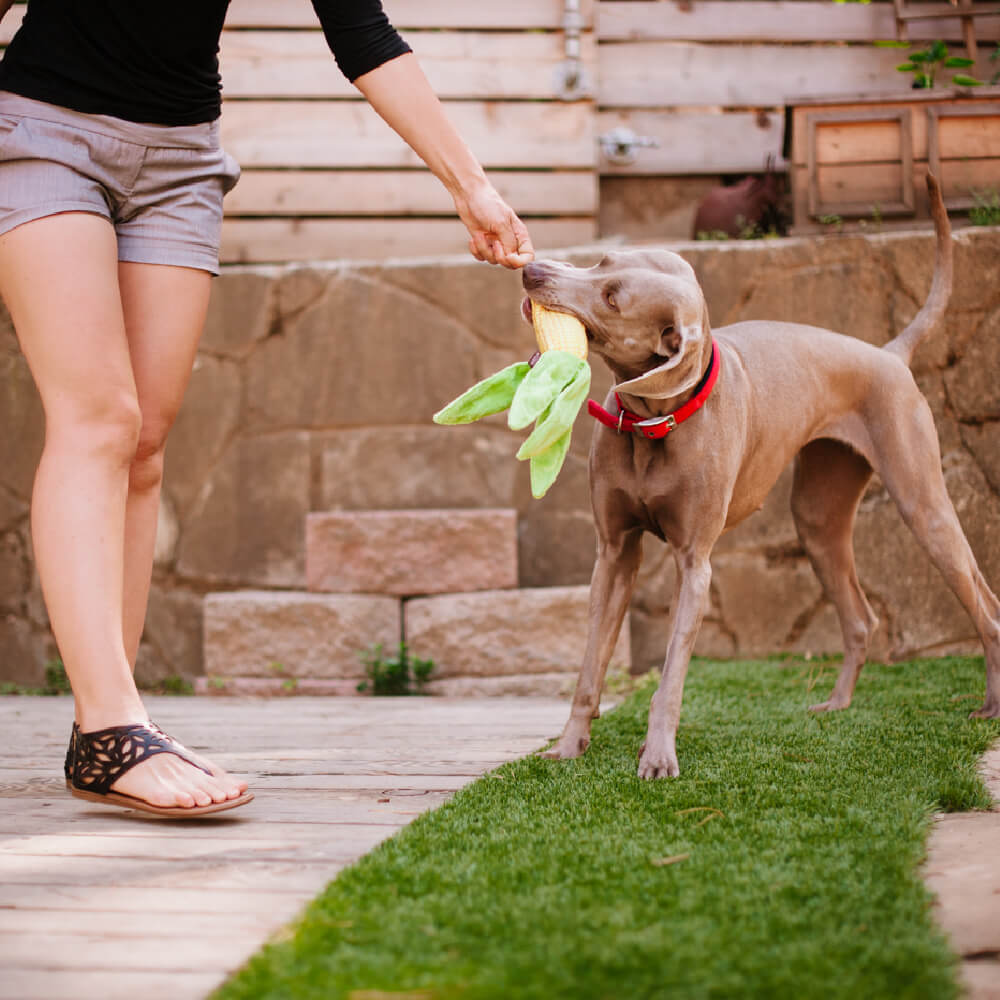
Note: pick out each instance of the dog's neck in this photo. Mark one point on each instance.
(644, 407)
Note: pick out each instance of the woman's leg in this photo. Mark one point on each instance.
(164, 310)
(59, 279)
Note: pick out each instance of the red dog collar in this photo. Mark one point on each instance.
(657, 427)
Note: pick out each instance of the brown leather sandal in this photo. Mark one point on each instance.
(95, 761)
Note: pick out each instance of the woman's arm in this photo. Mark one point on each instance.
(401, 94)
(5, 6)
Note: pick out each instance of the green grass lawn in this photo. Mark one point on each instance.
(782, 863)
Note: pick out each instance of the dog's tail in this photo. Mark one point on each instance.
(933, 309)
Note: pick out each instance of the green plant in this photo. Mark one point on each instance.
(402, 674)
(175, 685)
(56, 682)
(986, 210)
(925, 64)
(995, 58)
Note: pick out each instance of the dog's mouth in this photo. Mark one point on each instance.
(526, 314)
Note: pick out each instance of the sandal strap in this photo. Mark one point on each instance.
(103, 756)
(71, 752)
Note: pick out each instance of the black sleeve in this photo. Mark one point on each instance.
(359, 35)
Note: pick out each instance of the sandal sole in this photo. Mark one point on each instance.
(171, 812)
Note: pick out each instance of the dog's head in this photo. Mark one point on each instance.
(644, 313)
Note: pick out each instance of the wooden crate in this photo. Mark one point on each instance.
(865, 159)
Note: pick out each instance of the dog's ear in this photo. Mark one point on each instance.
(679, 373)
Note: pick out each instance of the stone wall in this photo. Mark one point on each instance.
(314, 390)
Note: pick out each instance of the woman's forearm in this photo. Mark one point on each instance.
(399, 91)
(5, 6)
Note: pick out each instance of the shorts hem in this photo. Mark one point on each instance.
(180, 255)
(23, 215)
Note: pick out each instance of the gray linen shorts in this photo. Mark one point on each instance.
(160, 186)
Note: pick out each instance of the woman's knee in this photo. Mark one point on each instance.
(105, 427)
(146, 470)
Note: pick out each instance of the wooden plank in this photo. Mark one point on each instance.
(858, 142)
(697, 142)
(971, 136)
(348, 134)
(275, 240)
(404, 14)
(360, 192)
(458, 64)
(872, 186)
(762, 20)
(960, 179)
(109, 984)
(675, 74)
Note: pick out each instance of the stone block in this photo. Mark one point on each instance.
(973, 386)
(207, 422)
(241, 312)
(402, 468)
(24, 426)
(412, 551)
(500, 633)
(557, 549)
(287, 635)
(172, 640)
(25, 652)
(247, 525)
(366, 354)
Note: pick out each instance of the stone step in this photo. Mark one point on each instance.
(285, 635)
(411, 552)
(500, 633)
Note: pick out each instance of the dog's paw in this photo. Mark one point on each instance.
(662, 764)
(831, 705)
(991, 710)
(566, 749)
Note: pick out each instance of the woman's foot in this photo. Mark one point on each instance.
(140, 766)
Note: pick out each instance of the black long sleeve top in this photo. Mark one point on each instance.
(158, 62)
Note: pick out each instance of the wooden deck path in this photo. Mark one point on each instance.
(103, 902)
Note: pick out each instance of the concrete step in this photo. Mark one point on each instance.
(502, 633)
(285, 635)
(411, 552)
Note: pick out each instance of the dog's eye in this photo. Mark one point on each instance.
(609, 299)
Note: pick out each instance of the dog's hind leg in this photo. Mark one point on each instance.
(908, 450)
(829, 482)
(611, 586)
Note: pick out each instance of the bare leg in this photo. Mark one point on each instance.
(830, 480)
(658, 757)
(164, 311)
(610, 590)
(59, 279)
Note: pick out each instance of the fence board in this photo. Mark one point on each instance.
(459, 64)
(386, 192)
(532, 14)
(697, 142)
(660, 74)
(247, 241)
(758, 20)
(349, 134)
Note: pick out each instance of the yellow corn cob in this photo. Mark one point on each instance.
(557, 331)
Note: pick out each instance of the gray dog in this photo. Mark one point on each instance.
(761, 394)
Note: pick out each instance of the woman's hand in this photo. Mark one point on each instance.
(496, 234)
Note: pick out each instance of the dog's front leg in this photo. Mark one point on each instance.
(658, 756)
(610, 589)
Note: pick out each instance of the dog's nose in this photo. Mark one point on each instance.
(533, 276)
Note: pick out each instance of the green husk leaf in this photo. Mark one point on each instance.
(966, 81)
(546, 464)
(559, 419)
(551, 374)
(491, 395)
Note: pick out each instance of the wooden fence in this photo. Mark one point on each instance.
(706, 82)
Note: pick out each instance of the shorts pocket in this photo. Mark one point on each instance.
(230, 172)
(9, 126)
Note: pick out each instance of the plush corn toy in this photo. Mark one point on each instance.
(550, 392)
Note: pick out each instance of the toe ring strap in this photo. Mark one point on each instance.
(101, 757)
